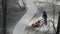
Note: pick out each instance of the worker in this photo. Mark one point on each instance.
(45, 17)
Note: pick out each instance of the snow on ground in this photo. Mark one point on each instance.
(45, 29)
(27, 19)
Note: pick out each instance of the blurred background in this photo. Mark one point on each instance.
(20, 12)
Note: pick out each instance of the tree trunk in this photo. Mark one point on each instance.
(58, 27)
(4, 9)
